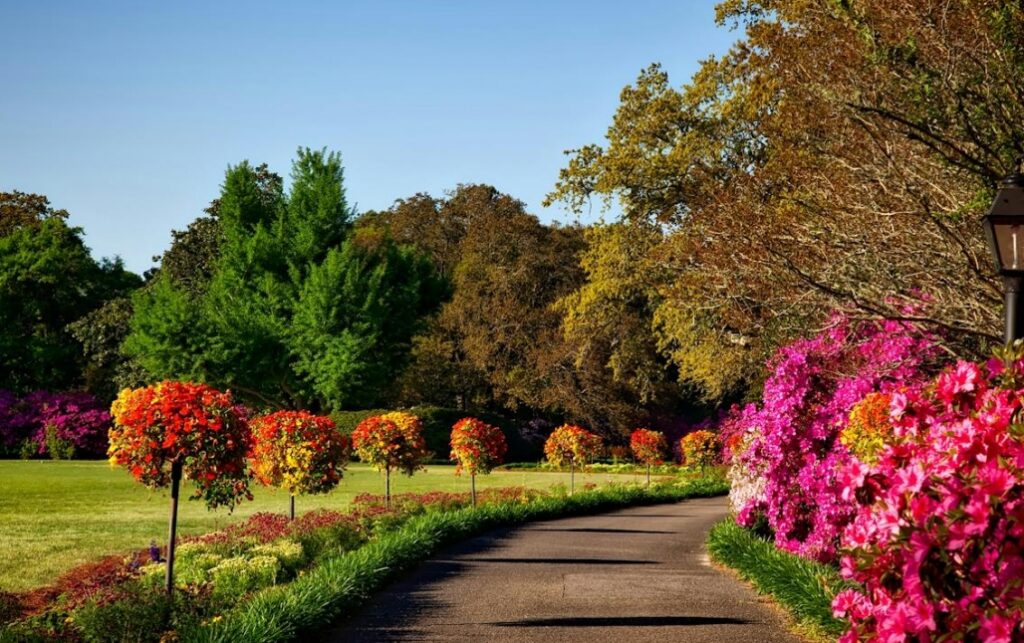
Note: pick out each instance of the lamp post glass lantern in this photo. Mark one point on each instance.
(1004, 227)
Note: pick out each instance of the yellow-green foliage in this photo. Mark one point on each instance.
(239, 575)
(287, 552)
(152, 575)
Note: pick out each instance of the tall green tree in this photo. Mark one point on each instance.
(355, 318)
(285, 284)
(506, 339)
(101, 334)
(20, 210)
(48, 280)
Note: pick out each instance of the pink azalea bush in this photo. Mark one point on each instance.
(75, 418)
(785, 452)
(937, 541)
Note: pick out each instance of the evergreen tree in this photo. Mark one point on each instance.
(296, 313)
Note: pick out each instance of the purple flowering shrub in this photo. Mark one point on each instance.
(75, 419)
(12, 432)
(937, 543)
(785, 452)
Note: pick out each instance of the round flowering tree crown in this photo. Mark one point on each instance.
(194, 425)
(393, 441)
(573, 445)
(477, 447)
(700, 449)
(648, 446)
(297, 451)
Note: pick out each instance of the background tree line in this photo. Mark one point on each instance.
(292, 300)
(839, 155)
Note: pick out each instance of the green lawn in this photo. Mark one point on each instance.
(55, 515)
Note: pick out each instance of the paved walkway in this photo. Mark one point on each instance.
(634, 575)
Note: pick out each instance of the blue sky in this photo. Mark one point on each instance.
(127, 114)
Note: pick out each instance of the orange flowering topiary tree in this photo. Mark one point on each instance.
(648, 448)
(393, 441)
(299, 452)
(174, 429)
(573, 445)
(700, 449)
(477, 447)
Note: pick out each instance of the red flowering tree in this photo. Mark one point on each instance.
(572, 445)
(648, 448)
(393, 441)
(174, 429)
(299, 452)
(477, 447)
(700, 449)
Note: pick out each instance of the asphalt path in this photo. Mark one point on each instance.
(638, 574)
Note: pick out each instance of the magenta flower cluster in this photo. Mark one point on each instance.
(788, 445)
(937, 543)
(77, 417)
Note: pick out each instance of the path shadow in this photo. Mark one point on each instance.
(600, 530)
(632, 516)
(623, 621)
(562, 561)
(409, 596)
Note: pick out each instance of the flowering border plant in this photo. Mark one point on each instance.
(297, 451)
(790, 442)
(648, 446)
(477, 447)
(193, 424)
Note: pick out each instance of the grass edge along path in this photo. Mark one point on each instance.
(804, 588)
(338, 586)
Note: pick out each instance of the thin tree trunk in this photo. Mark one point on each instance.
(648, 475)
(387, 487)
(572, 477)
(472, 487)
(175, 486)
(291, 508)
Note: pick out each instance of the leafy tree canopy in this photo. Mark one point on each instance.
(48, 280)
(838, 154)
(297, 310)
(23, 210)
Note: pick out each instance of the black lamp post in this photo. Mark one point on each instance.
(1004, 227)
